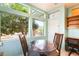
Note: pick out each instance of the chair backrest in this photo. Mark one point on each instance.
(23, 44)
(58, 41)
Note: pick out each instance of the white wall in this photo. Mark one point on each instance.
(53, 25)
(56, 23)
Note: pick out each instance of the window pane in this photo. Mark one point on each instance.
(37, 14)
(19, 7)
(16, 6)
(38, 28)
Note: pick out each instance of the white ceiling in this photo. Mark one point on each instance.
(45, 6)
(49, 6)
(67, 5)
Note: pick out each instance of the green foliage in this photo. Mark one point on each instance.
(11, 23)
(19, 7)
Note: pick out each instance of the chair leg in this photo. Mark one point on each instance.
(77, 53)
(70, 53)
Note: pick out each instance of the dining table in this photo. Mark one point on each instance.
(43, 48)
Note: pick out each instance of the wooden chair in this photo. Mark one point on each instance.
(26, 50)
(57, 45)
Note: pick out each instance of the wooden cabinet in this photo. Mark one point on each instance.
(73, 21)
(71, 42)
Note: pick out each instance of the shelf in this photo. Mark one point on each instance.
(73, 21)
(72, 16)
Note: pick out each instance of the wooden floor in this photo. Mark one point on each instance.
(65, 53)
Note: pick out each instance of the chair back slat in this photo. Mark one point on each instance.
(23, 44)
(58, 41)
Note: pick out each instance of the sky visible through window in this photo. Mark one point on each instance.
(40, 23)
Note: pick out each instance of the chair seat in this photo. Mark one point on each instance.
(51, 47)
(53, 53)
